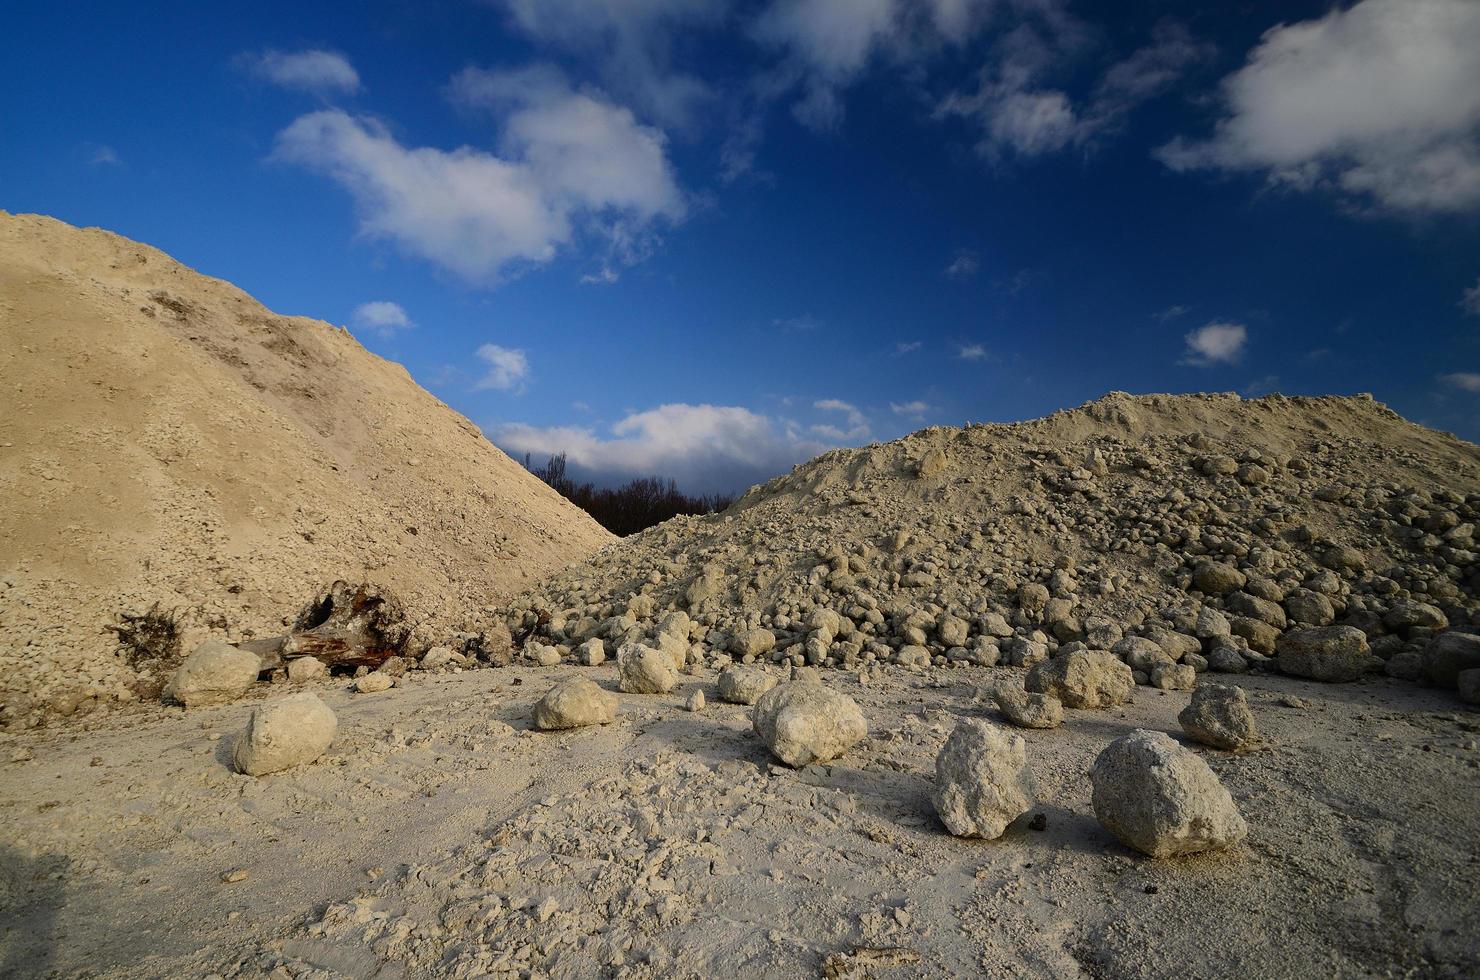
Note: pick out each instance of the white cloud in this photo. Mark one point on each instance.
(508, 369)
(1469, 301)
(1215, 343)
(570, 162)
(913, 411)
(607, 276)
(907, 347)
(104, 155)
(1467, 380)
(631, 42)
(1022, 113)
(319, 72)
(971, 352)
(824, 45)
(706, 448)
(858, 427)
(1379, 102)
(963, 266)
(382, 317)
(1172, 313)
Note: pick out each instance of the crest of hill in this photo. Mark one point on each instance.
(1112, 505)
(169, 440)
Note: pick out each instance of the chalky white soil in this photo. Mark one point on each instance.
(442, 837)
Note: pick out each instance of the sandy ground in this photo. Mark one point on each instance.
(442, 837)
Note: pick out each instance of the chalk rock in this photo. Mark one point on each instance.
(1448, 654)
(374, 682)
(593, 652)
(214, 674)
(644, 670)
(1173, 677)
(1219, 715)
(802, 723)
(1083, 679)
(1028, 710)
(982, 782)
(744, 685)
(752, 643)
(303, 669)
(1161, 799)
(291, 732)
(1326, 653)
(575, 703)
(695, 701)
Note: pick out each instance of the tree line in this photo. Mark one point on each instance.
(633, 506)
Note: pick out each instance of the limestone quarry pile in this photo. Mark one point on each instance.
(1327, 537)
(181, 463)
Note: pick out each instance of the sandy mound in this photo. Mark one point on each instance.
(168, 440)
(1229, 523)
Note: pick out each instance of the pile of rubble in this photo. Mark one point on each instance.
(1325, 538)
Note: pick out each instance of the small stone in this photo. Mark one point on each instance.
(304, 669)
(644, 670)
(1219, 715)
(592, 653)
(437, 657)
(1161, 799)
(1449, 654)
(982, 782)
(753, 643)
(216, 673)
(1217, 578)
(374, 683)
(744, 685)
(234, 875)
(695, 701)
(1083, 679)
(1173, 677)
(291, 732)
(575, 703)
(542, 655)
(802, 723)
(1326, 653)
(1468, 683)
(1028, 710)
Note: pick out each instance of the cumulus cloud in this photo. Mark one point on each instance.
(381, 317)
(1215, 343)
(1022, 113)
(706, 448)
(971, 352)
(913, 411)
(858, 427)
(1172, 313)
(631, 42)
(508, 369)
(315, 71)
(824, 45)
(963, 266)
(1469, 300)
(907, 347)
(1466, 380)
(568, 162)
(1378, 103)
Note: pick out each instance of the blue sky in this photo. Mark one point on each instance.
(706, 239)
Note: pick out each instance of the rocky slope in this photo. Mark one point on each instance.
(1199, 529)
(170, 444)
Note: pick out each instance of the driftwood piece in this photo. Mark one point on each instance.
(351, 625)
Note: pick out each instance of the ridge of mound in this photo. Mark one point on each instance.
(170, 443)
(1009, 541)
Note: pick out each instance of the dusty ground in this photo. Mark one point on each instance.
(442, 837)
